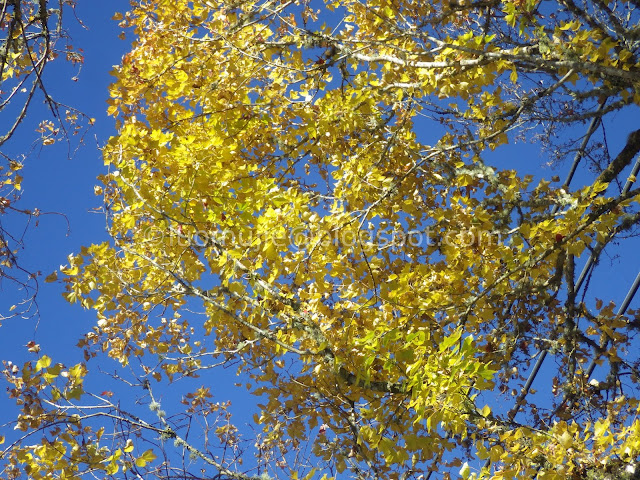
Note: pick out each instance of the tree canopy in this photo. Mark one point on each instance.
(307, 193)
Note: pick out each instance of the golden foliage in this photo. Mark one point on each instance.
(315, 180)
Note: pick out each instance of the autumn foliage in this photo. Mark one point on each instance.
(304, 192)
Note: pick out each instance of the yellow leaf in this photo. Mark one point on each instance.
(43, 362)
(566, 439)
(145, 458)
(601, 427)
(71, 271)
(55, 394)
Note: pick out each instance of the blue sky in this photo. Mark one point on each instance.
(59, 180)
(56, 180)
